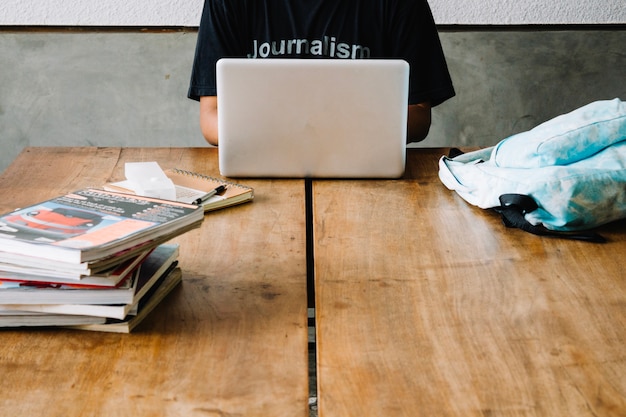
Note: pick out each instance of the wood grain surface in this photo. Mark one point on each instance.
(427, 306)
(230, 341)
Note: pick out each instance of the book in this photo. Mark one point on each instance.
(93, 224)
(28, 319)
(90, 268)
(156, 266)
(32, 292)
(15, 292)
(92, 273)
(145, 307)
(12, 276)
(191, 186)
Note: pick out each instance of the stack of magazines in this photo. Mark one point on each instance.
(91, 259)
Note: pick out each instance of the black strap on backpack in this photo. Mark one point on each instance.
(513, 207)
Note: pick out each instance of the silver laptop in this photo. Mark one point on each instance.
(312, 118)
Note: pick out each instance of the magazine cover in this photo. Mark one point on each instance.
(92, 219)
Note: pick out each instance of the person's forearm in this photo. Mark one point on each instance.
(208, 119)
(419, 122)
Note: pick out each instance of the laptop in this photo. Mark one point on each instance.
(312, 118)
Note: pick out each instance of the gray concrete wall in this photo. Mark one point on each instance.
(128, 88)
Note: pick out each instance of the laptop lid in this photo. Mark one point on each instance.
(314, 118)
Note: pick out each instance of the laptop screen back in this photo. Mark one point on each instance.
(311, 118)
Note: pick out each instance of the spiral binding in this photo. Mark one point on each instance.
(208, 178)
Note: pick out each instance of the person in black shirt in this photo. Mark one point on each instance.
(331, 29)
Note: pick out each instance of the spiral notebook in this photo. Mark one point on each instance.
(191, 186)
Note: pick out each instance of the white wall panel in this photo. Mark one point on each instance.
(187, 12)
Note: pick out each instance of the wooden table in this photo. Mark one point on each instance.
(230, 341)
(427, 306)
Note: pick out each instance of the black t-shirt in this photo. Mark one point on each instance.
(340, 29)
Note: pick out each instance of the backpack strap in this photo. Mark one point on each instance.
(454, 152)
(513, 207)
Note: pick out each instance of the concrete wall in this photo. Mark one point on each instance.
(95, 89)
(128, 88)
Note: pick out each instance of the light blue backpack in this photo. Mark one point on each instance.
(565, 175)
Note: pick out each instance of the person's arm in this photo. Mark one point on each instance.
(419, 122)
(208, 118)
